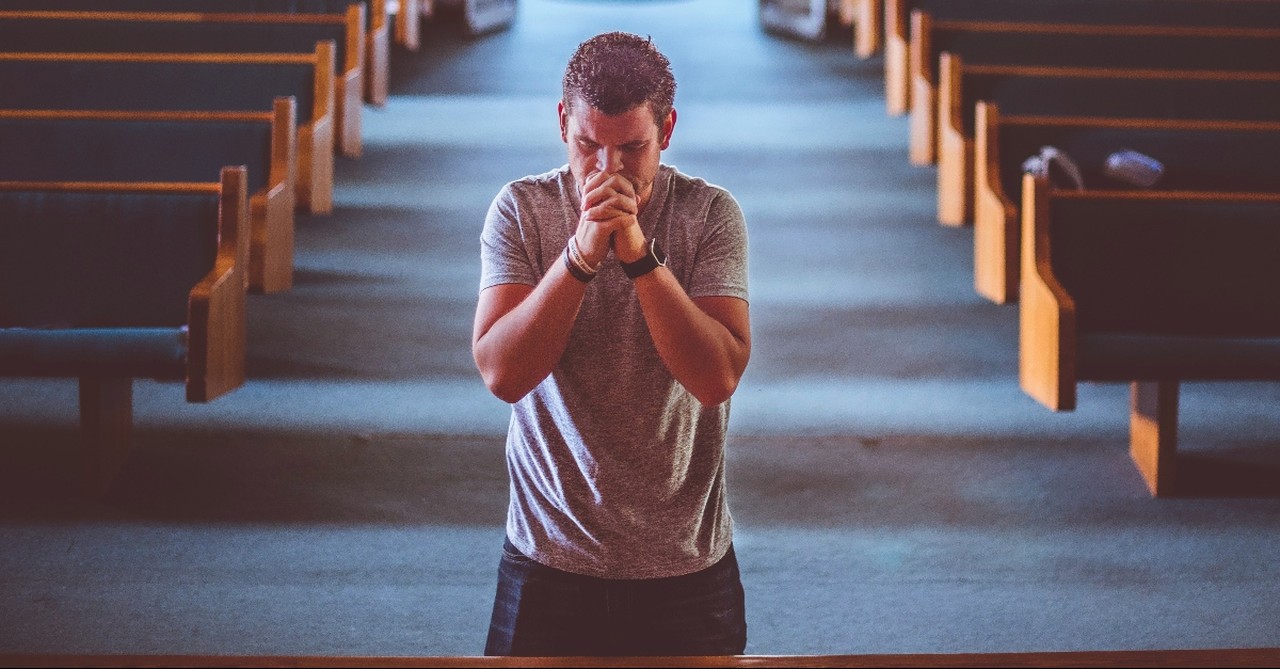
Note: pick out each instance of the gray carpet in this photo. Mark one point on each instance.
(894, 490)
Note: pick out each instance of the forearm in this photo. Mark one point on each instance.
(704, 354)
(518, 350)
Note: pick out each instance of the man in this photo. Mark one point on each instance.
(613, 316)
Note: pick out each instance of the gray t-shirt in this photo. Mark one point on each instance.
(616, 470)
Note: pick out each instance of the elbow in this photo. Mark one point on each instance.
(715, 393)
(504, 388)
(501, 384)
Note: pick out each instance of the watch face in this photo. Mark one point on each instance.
(659, 254)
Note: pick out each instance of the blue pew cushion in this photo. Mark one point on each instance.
(158, 353)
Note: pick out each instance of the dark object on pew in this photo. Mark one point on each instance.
(58, 146)
(1132, 168)
(1151, 288)
(122, 32)
(111, 282)
(1079, 92)
(1197, 156)
(209, 83)
(377, 46)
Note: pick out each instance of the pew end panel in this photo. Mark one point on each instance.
(868, 26)
(377, 54)
(270, 266)
(996, 228)
(408, 23)
(316, 140)
(955, 148)
(349, 98)
(216, 306)
(897, 73)
(923, 104)
(1046, 313)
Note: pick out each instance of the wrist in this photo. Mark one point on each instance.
(592, 257)
(630, 248)
(578, 267)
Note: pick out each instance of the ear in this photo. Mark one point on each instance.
(668, 127)
(564, 122)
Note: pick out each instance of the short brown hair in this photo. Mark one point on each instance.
(616, 72)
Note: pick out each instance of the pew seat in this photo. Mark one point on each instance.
(107, 282)
(1153, 288)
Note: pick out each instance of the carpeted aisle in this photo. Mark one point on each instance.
(894, 490)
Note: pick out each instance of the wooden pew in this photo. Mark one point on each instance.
(1078, 91)
(1151, 288)
(125, 32)
(408, 22)
(376, 33)
(1127, 47)
(109, 282)
(1197, 155)
(1183, 657)
(97, 146)
(1186, 13)
(207, 83)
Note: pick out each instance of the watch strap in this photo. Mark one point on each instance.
(650, 261)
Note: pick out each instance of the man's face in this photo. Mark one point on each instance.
(628, 144)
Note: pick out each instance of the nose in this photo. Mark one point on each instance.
(608, 159)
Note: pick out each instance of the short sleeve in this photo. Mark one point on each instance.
(721, 265)
(504, 251)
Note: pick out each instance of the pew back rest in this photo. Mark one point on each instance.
(1120, 93)
(181, 33)
(126, 82)
(1203, 267)
(1223, 158)
(133, 149)
(1150, 47)
(207, 6)
(1104, 12)
(103, 260)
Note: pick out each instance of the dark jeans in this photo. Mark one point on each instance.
(540, 611)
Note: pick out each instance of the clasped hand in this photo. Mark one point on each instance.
(609, 219)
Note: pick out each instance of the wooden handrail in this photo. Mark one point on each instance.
(107, 186)
(166, 57)
(143, 115)
(1230, 657)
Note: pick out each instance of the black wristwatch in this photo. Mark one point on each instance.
(652, 260)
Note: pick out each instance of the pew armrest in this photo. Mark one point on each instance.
(1046, 313)
(216, 306)
(995, 219)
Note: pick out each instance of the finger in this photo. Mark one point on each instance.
(611, 201)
